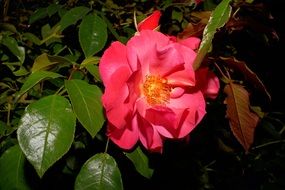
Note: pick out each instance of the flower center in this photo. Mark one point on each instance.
(156, 90)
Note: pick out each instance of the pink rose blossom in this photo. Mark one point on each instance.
(151, 22)
(151, 91)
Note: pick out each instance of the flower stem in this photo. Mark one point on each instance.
(269, 143)
(107, 145)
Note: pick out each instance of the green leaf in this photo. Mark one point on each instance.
(100, 172)
(92, 34)
(45, 61)
(32, 38)
(8, 27)
(111, 28)
(209, 5)
(34, 79)
(90, 61)
(53, 8)
(37, 15)
(94, 71)
(3, 126)
(12, 45)
(72, 16)
(49, 34)
(22, 71)
(140, 161)
(46, 131)
(12, 170)
(177, 15)
(86, 103)
(218, 19)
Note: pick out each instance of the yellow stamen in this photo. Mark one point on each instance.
(156, 90)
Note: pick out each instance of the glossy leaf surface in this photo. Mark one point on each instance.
(92, 34)
(100, 172)
(12, 169)
(86, 103)
(46, 131)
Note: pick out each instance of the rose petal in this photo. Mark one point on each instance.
(145, 46)
(149, 137)
(189, 109)
(113, 58)
(207, 82)
(114, 97)
(163, 120)
(185, 77)
(141, 106)
(134, 82)
(191, 42)
(126, 137)
(177, 92)
(168, 60)
(151, 22)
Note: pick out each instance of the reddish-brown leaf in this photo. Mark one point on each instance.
(247, 72)
(242, 121)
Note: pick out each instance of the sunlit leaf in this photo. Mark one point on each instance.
(247, 72)
(72, 16)
(12, 45)
(44, 61)
(86, 102)
(34, 79)
(140, 161)
(100, 172)
(242, 121)
(46, 131)
(92, 34)
(12, 170)
(219, 17)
